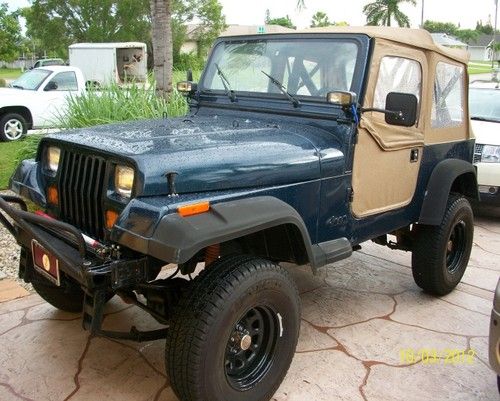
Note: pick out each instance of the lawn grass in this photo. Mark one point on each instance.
(10, 73)
(479, 67)
(11, 153)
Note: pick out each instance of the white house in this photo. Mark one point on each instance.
(193, 31)
(478, 48)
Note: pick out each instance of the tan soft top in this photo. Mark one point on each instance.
(413, 37)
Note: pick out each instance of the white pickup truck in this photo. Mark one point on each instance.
(36, 99)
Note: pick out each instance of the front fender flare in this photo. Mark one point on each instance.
(177, 239)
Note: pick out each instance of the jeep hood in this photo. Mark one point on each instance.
(208, 153)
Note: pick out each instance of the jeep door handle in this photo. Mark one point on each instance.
(414, 155)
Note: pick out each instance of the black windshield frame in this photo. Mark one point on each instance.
(358, 79)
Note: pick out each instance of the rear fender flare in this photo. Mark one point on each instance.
(441, 182)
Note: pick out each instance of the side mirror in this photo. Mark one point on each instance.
(403, 107)
(186, 87)
(51, 86)
(342, 98)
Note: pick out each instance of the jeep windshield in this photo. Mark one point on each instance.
(307, 68)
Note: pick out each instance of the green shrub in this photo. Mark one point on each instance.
(186, 61)
(114, 104)
(12, 153)
(27, 149)
(3, 83)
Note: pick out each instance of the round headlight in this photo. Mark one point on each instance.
(53, 156)
(124, 180)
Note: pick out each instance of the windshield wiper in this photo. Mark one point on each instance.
(280, 86)
(227, 85)
(17, 86)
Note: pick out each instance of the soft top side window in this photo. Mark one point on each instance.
(397, 74)
(447, 99)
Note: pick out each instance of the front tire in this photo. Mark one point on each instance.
(233, 335)
(441, 253)
(13, 127)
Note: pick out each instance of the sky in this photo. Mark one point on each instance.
(244, 12)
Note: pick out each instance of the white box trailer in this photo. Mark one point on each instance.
(105, 63)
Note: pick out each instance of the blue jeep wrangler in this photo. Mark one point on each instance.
(297, 148)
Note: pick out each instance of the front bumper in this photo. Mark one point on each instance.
(68, 245)
(490, 195)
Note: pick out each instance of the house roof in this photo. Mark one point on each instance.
(446, 40)
(235, 30)
(482, 40)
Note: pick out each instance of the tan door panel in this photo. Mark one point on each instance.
(382, 180)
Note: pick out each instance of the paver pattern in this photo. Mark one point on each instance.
(358, 316)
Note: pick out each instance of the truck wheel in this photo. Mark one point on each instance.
(13, 127)
(68, 297)
(441, 253)
(233, 334)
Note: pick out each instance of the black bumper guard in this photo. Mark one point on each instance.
(79, 263)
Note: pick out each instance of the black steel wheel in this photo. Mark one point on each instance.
(233, 334)
(456, 247)
(250, 347)
(441, 253)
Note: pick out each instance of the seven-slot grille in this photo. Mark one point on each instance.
(80, 192)
(478, 152)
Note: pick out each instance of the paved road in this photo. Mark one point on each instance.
(362, 319)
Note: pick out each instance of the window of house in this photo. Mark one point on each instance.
(447, 100)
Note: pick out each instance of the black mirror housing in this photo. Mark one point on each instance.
(404, 108)
(51, 86)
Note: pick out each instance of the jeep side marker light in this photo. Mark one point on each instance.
(341, 98)
(193, 208)
(184, 86)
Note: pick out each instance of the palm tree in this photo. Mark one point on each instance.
(161, 18)
(382, 12)
(494, 48)
(320, 19)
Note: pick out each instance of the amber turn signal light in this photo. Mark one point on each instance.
(194, 208)
(52, 196)
(111, 217)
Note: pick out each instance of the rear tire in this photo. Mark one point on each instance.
(233, 334)
(441, 253)
(68, 297)
(13, 127)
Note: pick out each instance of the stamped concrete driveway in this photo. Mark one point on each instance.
(365, 329)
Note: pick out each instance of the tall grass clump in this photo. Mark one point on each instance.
(114, 104)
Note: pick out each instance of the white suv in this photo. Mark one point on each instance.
(484, 102)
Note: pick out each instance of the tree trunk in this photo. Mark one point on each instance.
(162, 45)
